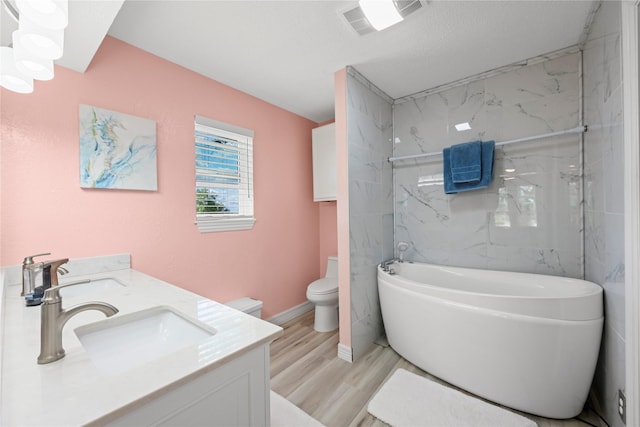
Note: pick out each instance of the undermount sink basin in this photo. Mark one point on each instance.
(120, 343)
(95, 285)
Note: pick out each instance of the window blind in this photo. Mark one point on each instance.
(224, 172)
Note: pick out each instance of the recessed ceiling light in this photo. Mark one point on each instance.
(463, 126)
(380, 13)
(357, 20)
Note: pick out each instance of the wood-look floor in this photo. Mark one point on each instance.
(305, 370)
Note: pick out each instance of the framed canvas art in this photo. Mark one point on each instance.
(117, 150)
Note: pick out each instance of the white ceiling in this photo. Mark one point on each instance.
(286, 52)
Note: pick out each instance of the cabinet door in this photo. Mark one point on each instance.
(234, 395)
(324, 163)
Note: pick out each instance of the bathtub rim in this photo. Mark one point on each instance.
(583, 307)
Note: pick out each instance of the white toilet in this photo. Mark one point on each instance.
(324, 294)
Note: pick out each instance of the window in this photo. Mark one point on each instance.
(224, 176)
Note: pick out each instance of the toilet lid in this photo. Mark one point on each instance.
(323, 286)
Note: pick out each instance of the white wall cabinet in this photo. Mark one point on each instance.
(324, 163)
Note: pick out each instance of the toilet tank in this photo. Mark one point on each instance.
(332, 267)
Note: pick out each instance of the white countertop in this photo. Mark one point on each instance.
(73, 391)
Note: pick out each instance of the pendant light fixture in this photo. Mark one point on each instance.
(10, 77)
(28, 63)
(38, 41)
(51, 14)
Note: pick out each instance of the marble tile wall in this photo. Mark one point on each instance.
(604, 192)
(530, 218)
(369, 129)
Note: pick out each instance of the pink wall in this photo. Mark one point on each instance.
(328, 228)
(43, 208)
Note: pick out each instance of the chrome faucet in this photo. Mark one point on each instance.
(53, 319)
(29, 269)
(385, 264)
(48, 277)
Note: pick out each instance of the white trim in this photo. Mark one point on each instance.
(345, 353)
(244, 219)
(210, 225)
(292, 313)
(224, 126)
(632, 208)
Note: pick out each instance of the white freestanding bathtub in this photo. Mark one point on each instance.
(526, 341)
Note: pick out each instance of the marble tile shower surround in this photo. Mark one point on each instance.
(530, 218)
(369, 132)
(604, 197)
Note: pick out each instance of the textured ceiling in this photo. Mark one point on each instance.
(286, 52)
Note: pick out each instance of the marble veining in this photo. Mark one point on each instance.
(491, 73)
(530, 218)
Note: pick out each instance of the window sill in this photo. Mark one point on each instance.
(212, 225)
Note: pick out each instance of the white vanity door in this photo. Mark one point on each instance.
(235, 394)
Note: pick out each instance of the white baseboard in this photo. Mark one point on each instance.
(292, 313)
(344, 353)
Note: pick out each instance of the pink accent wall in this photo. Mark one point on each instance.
(43, 208)
(342, 166)
(328, 227)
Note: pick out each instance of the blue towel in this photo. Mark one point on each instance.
(466, 160)
(451, 187)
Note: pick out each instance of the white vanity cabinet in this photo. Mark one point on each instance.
(324, 163)
(235, 394)
(216, 380)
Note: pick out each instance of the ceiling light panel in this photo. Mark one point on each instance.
(381, 14)
(359, 22)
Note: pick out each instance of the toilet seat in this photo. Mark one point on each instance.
(324, 286)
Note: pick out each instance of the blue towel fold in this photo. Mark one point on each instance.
(450, 187)
(466, 160)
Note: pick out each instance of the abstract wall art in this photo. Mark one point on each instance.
(117, 150)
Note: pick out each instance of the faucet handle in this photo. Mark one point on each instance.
(55, 264)
(29, 259)
(52, 295)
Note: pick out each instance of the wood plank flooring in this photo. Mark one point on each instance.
(305, 370)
